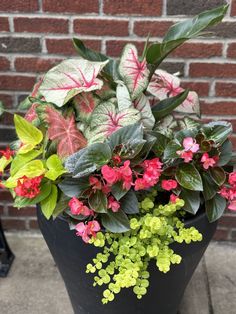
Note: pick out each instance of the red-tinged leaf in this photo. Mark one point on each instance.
(31, 115)
(70, 78)
(164, 85)
(133, 72)
(35, 91)
(142, 104)
(84, 105)
(64, 131)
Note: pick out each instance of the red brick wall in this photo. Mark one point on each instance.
(36, 34)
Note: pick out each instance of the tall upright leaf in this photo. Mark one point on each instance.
(142, 104)
(133, 72)
(64, 131)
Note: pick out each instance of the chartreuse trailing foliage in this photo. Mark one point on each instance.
(99, 139)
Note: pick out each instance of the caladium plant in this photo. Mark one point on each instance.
(102, 145)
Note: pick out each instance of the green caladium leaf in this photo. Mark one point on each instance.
(69, 78)
(29, 135)
(218, 175)
(74, 187)
(210, 188)
(55, 167)
(142, 104)
(166, 106)
(215, 207)
(32, 169)
(166, 126)
(90, 159)
(161, 144)
(98, 202)
(106, 119)
(189, 177)
(133, 72)
(118, 191)
(217, 131)
(45, 190)
(129, 203)
(171, 150)
(191, 200)
(115, 222)
(130, 138)
(183, 31)
(48, 204)
(123, 96)
(226, 151)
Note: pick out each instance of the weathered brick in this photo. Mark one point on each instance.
(189, 7)
(7, 100)
(7, 135)
(65, 46)
(19, 44)
(33, 224)
(233, 140)
(16, 82)
(225, 89)
(115, 47)
(13, 224)
(35, 65)
(19, 5)
(172, 67)
(135, 7)
(1, 210)
(41, 25)
(198, 50)
(4, 64)
(221, 235)
(224, 30)
(101, 27)
(201, 88)
(26, 211)
(7, 119)
(71, 6)
(233, 8)
(221, 70)
(4, 24)
(228, 221)
(154, 28)
(5, 196)
(231, 51)
(219, 108)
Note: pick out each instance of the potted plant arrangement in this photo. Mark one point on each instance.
(112, 151)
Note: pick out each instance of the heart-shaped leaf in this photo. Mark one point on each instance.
(55, 167)
(74, 187)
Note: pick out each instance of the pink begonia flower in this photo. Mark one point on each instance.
(208, 161)
(125, 174)
(169, 185)
(86, 231)
(140, 184)
(113, 204)
(95, 183)
(190, 144)
(78, 208)
(232, 178)
(110, 174)
(232, 205)
(173, 198)
(187, 156)
(106, 189)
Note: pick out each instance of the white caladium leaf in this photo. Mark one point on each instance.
(133, 72)
(164, 85)
(70, 78)
(84, 105)
(106, 119)
(142, 104)
(123, 96)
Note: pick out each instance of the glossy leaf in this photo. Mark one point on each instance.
(161, 145)
(218, 175)
(215, 207)
(115, 222)
(217, 131)
(210, 188)
(49, 203)
(171, 150)
(129, 203)
(74, 187)
(225, 153)
(20, 160)
(98, 202)
(191, 200)
(188, 177)
(118, 191)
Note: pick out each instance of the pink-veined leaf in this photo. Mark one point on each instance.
(133, 72)
(106, 119)
(142, 104)
(85, 104)
(63, 130)
(164, 85)
(35, 91)
(31, 115)
(70, 78)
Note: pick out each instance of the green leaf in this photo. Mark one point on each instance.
(49, 204)
(225, 153)
(160, 144)
(191, 200)
(45, 190)
(217, 131)
(116, 222)
(123, 96)
(4, 162)
(74, 187)
(98, 202)
(62, 204)
(183, 31)
(209, 187)
(129, 203)
(29, 135)
(215, 207)
(118, 191)
(171, 149)
(182, 134)
(218, 175)
(20, 160)
(189, 177)
(166, 106)
(55, 167)
(91, 158)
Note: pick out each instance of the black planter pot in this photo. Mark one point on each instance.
(165, 292)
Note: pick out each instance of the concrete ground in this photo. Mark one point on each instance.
(34, 285)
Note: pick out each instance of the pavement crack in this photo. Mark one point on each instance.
(211, 309)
